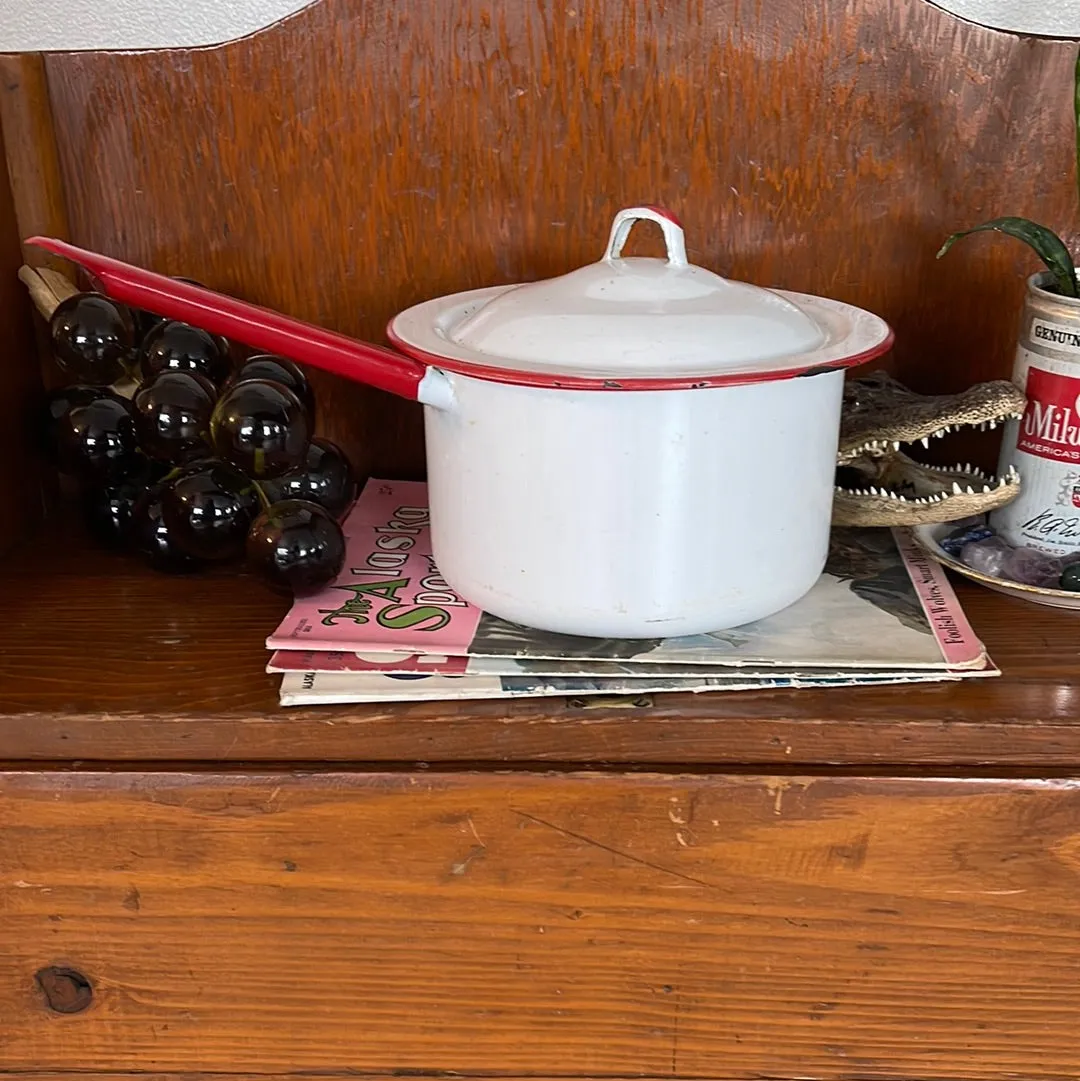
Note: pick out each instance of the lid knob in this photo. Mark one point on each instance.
(624, 221)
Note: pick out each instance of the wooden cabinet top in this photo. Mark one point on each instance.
(103, 660)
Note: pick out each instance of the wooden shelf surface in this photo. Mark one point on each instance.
(104, 660)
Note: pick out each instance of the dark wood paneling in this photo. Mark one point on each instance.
(20, 381)
(362, 156)
(33, 163)
(660, 927)
(103, 660)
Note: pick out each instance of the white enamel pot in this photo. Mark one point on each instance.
(637, 449)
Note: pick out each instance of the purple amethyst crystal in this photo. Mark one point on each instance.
(987, 556)
(1033, 568)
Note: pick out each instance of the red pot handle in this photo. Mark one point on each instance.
(260, 328)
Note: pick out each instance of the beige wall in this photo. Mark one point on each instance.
(33, 25)
(44, 25)
(1054, 18)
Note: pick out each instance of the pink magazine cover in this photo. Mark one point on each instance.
(880, 604)
(336, 660)
(389, 597)
(959, 644)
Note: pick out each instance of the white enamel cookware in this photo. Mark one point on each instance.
(637, 449)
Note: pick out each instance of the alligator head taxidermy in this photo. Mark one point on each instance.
(877, 484)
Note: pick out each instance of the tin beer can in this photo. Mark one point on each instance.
(1044, 445)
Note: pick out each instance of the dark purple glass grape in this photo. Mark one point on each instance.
(261, 428)
(172, 415)
(108, 508)
(95, 439)
(93, 337)
(278, 370)
(325, 478)
(152, 538)
(108, 512)
(296, 545)
(180, 347)
(208, 509)
(55, 408)
(223, 343)
(147, 321)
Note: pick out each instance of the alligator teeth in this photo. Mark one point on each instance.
(957, 490)
(925, 441)
(986, 487)
(896, 444)
(970, 490)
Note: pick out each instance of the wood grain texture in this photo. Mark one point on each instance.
(364, 156)
(654, 926)
(33, 164)
(103, 660)
(20, 383)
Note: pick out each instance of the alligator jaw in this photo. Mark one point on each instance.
(880, 414)
(905, 492)
(879, 485)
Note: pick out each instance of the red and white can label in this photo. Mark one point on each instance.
(1050, 427)
(1044, 448)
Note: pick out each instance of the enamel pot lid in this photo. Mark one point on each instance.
(638, 324)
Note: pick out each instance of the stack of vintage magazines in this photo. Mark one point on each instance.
(389, 628)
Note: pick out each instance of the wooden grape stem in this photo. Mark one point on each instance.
(47, 288)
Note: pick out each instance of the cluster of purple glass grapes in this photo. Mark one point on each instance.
(202, 463)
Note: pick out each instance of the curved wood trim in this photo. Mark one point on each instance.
(33, 162)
